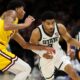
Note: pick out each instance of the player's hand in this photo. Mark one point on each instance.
(29, 20)
(48, 55)
(50, 50)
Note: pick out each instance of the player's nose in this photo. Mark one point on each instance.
(51, 26)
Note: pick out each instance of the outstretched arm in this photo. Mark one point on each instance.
(19, 39)
(10, 16)
(67, 36)
(35, 37)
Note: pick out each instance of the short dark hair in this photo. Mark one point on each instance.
(48, 15)
(13, 4)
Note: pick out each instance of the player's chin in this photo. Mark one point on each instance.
(51, 31)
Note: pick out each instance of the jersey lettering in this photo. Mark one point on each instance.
(50, 41)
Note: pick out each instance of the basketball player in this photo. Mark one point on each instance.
(48, 33)
(9, 29)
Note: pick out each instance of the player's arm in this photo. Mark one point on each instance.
(10, 17)
(34, 39)
(19, 39)
(67, 36)
(35, 36)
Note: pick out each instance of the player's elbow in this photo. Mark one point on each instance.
(26, 46)
(70, 40)
(6, 28)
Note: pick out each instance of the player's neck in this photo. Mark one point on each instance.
(47, 32)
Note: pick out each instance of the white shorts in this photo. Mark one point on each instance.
(47, 66)
(19, 66)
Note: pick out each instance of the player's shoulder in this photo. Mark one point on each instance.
(11, 11)
(36, 31)
(8, 13)
(61, 27)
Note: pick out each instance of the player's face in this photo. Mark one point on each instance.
(20, 12)
(49, 25)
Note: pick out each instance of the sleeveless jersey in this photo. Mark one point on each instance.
(52, 41)
(7, 59)
(5, 35)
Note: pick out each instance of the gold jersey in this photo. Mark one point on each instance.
(7, 59)
(5, 35)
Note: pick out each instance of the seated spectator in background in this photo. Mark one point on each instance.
(75, 33)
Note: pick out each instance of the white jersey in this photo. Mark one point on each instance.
(52, 41)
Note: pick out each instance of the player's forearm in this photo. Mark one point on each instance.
(74, 42)
(35, 47)
(15, 26)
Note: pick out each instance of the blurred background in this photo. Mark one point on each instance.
(67, 12)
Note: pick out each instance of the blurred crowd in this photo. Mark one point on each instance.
(68, 13)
